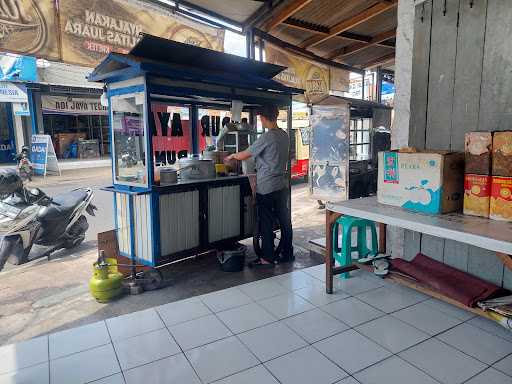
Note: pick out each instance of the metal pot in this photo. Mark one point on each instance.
(192, 168)
(217, 156)
(168, 176)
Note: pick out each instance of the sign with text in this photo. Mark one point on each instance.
(72, 105)
(90, 30)
(42, 155)
(13, 93)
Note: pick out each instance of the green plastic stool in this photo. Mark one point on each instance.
(343, 254)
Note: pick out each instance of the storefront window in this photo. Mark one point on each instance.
(129, 138)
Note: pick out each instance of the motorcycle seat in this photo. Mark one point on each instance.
(63, 205)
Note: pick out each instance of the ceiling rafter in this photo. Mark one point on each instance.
(357, 47)
(285, 12)
(349, 23)
(379, 61)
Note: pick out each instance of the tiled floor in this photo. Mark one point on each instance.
(284, 329)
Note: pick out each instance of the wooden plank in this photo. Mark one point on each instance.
(358, 47)
(379, 61)
(496, 97)
(420, 72)
(330, 218)
(443, 48)
(349, 23)
(285, 12)
(468, 71)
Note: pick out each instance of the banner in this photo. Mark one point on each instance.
(17, 68)
(300, 73)
(72, 105)
(42, 155)
(29, 26)
(91, 29)
(13, 93)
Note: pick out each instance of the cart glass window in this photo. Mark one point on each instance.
(129, 139)
(360, 138)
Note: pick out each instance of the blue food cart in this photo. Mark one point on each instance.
(166, 101)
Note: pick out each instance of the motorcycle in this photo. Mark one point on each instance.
(24, 165)
(30, 218)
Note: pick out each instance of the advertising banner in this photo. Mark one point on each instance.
(13, 93)
(29, 26)
(42, 155)
(72, 105)
(92, 29)
(15, 67)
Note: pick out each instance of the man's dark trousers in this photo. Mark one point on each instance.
(271, 207)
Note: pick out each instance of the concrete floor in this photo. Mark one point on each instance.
(50, 295)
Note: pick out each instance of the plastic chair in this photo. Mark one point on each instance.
(343, 254)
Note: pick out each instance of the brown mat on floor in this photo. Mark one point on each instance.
(451, 282)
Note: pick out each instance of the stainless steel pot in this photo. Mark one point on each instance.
(168, 176)
(217, 156)
(192, 168)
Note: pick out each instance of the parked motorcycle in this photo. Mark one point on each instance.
(24, 165)
(30, 218)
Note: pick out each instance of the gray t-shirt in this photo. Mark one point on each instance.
(271, 154)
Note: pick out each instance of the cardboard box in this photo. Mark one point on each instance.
(431, 182)
(502, 154)
(478, 149)
(477, 195)
(501, 198)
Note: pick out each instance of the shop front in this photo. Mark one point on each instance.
(77, 125)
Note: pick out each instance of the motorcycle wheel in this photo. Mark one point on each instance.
(8, 248)
(77, 233)
(19, 255)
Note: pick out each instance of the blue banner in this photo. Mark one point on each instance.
(17, 68)
(39, 154)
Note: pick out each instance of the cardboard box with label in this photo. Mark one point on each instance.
(477, 195)
(430, 182)
(501, 198)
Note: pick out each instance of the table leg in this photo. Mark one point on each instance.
(507, 259)
(382, 237)
(330, 218)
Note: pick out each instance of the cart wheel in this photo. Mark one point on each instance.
(152, 279)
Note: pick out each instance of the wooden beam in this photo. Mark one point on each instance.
(357, 47)
(303, 52)
(352, 22)
(379, 61)
(285, 13)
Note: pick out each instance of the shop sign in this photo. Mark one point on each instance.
(28, 26)
(13, 93)
(17, 68)
(42, 155)
(21, 109)
(92, 29)
(72, 105)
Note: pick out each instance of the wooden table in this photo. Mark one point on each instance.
(484, 233)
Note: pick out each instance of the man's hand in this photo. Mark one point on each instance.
(244, 155)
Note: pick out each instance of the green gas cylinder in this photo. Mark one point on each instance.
(106, 283)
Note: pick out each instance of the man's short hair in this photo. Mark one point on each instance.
(268, 111)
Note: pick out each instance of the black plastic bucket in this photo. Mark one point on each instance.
(232, 259)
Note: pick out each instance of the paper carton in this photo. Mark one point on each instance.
(502, 154)
(501, 198)
(477, 195)
(431, 182)
(478, 148)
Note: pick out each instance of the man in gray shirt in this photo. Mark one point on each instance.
(270, 152)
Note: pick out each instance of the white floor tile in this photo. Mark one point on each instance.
(505, 365)
(491, 327)
(24, 354)
(286, 305)
(78, 339)
(295, 280)
(221, 359)
(181, 311)
(114, 379)
(442, 362)
(390, 299)
(263, 289)
(450, 310)
(427, 318)
(305, 366)
(174, 369)
(315, 325)
(490, 376)
(37, 374)
(393, 371)
(348, 380)
(145, 348)
(134, 324)
(271, 341)
(477, 343)
(225, 299)
(195, 333)
(356, 284)
(83, 367)
(392, 334)
(246, 317)
(352, 311)
(316, 295)
(352, 351)
(256, 375)
(318, 272)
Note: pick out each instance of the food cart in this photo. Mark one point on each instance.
(166, 102)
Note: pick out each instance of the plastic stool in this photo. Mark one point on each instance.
(343, 254)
